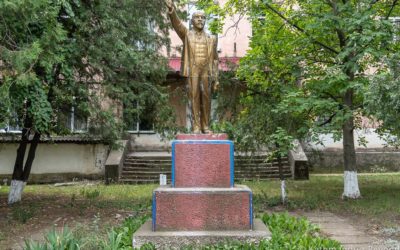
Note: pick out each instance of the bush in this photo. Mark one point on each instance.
(54, 240)
(23, 213)
(287, 233)
(295, 233)
(121, 236)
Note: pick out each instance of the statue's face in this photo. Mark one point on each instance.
(198, 20)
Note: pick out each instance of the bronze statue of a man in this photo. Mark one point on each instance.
(199, 65)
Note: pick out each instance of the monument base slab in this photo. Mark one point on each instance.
(202, 209)
(179, 239)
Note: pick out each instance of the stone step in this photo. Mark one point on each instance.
(156, 174)
(239, 176)
(269, 178)
(164, 160)
(139, 169)
(145, 167)
(168, 158)
(147, 164)
(244, 166)
(261, 162)
(156, 181)
(146, 172)
(237, 168)
(257, 176)
(141, 181)
(264, 170)
(259, 167)
(143, 160)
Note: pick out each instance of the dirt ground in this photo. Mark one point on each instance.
(25, 221)
(39, 214)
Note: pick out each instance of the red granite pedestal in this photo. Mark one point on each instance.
(202, 205)
(202, 163)
(202, 209)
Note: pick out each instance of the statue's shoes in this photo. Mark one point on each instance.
(207, 131)
(196, 131)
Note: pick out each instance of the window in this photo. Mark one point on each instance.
(143, 45)
(71, 120)
(13, 125)
(140, 118)
(76, 121)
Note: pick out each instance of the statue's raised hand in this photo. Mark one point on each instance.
(169, 4)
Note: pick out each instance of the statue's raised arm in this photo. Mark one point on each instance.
(179, 27)
(199, 65)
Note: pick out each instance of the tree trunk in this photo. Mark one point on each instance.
(281, 176)
(15, 193)
(17, 184)
(21, 171)
(351, 189)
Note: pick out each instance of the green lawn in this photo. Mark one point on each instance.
(380, 203)
(380, 195)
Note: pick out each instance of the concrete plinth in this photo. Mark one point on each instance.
(179, 239)
(196, 209)
(202, 163)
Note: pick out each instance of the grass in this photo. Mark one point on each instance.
(380, 195)
(287, 232)
(23, 213)
(380, 201)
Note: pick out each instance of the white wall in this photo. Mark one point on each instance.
(50, 158)
(372, 138)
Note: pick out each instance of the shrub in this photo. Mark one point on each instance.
(23, 213)
(123, 234)
(289, 232)
(54, 240)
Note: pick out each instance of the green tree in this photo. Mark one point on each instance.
(309, 68)
(59, 54)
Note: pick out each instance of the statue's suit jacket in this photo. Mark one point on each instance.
(188, 38)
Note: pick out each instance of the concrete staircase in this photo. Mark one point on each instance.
(257, 168)
(146, 167)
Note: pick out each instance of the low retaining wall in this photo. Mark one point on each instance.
(368, 160)
(55, 162)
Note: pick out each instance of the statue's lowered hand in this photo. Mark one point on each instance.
(216, 86)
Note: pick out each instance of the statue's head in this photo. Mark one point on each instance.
(198, 20)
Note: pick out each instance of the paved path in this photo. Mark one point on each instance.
(342, 230)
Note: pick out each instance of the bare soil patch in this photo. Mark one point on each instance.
(38, 214)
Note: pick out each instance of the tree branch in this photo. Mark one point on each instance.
(340, 33)
(327, 120)
(299, 28)
(234, 25)
(391, 9)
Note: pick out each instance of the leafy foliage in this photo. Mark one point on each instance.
(383, 103)
(311, 66)
(295, 233)
(94, 56)
(63, 240)
(23, 214)
(287, 233)
(126, 230)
